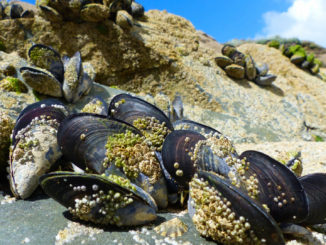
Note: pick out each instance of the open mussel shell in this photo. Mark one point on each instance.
(41, 81)
(51, 109)
(99, 200)
(82, 138)
(129, 108)
(259, 222)
(185, 124)
(47, 58)
(175, 155)
(314, 186)
(279, 188)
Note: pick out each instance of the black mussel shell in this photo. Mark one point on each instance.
(176, 159)
(195, 126)
(47, 58)
(60, 186)
(137, 10)
(171, 184)
(82, 138)
(315, 189)
(262, 223)
(129, 108)
(51, 111)
(279, 188)
(47, 102)
(14, 10)
(27, 14)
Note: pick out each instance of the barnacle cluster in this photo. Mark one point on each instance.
(93, 107)
(120, 181)
(154, 131)
(131, 153)
(104, 204)
(214, 216)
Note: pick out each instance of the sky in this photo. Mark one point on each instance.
(225, 20)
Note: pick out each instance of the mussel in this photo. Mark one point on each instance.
(222, 212)
(279, 188)
(96, 142)
(149, 119)
(50, 76)
(35, 148)
(100, 199)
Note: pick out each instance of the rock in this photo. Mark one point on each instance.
(12, 84)
(6, 127)
(94, 12)
(250, 68)
(223, 61)
(235, 71)
(153, 61)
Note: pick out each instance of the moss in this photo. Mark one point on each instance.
(310, 58)
(42, 57)
(297, 50)
(2, 46)
(318, 138)
(12, 84)
(318, 62)
(274, 44)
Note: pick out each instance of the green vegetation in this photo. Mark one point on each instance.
(318, 138)
(12, 84)
(274, 44)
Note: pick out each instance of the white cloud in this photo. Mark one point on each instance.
(304, 19)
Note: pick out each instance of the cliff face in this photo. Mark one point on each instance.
(164, 53)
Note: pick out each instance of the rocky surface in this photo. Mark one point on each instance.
(164, 53)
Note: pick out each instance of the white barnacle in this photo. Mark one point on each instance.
(95, 187)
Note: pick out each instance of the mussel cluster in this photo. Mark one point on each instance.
(92, 11)
(299, 57)
(49, 74)
(239, 66)
(12, 10)
(131, 160)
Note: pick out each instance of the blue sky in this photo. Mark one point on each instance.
(222, 19)
(242, 19)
